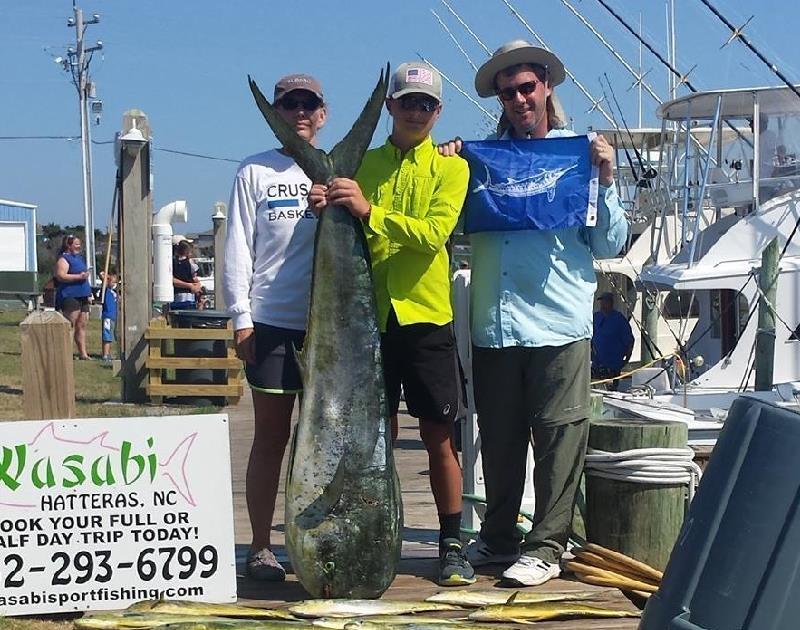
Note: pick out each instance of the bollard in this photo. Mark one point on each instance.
(48, 381)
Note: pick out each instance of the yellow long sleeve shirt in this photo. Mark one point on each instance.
(415, 201)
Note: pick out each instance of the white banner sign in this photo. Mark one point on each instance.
(98, 513)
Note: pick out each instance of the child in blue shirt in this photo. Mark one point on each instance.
(109, 314)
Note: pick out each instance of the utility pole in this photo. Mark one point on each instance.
(77, 64)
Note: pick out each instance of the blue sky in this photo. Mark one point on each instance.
(185, 64)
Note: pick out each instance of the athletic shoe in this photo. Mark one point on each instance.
(480, 554)
(531, 571)
(264, 566)
(454, 568)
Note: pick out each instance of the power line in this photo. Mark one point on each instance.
(40, 137)
(102, 142)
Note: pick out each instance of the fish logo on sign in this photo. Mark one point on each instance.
(544, 181)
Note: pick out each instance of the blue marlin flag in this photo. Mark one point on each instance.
(543, 184)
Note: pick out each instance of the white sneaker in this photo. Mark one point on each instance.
(479, 553)
(531, 571)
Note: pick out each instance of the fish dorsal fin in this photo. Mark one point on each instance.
(345, 157)
(513, 597)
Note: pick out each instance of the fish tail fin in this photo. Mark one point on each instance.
(313, 161)
(346, 155)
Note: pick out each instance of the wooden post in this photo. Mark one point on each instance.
(220, 220)
(765, 337)
(135, 246)
(48, 381)
(640, 520)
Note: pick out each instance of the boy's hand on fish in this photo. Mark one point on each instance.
(346, 192)
(318, 198)
(245, 342)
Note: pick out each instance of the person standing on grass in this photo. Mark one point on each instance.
(109, 315)
(73, 293)
(269, 250)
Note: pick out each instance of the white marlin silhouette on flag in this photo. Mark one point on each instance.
(543, 181)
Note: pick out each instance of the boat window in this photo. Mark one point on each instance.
(728, 320)
(679, 305)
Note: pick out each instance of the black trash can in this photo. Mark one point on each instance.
(200, 348)
(735, 565)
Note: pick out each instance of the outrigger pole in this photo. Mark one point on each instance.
(636, 75)
(737, 33)
(681, 77)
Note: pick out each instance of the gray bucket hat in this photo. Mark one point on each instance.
(511, 54)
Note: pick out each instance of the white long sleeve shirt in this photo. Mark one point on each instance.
(269, 246)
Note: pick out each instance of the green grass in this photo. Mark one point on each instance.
(95, 384)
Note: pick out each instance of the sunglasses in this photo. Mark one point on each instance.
(310, 104)
(417, 103)
(510, 93)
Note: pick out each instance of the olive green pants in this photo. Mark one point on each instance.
(541, 393)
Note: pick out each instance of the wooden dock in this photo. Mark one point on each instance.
(420, 534)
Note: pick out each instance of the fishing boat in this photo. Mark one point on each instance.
(726, 202)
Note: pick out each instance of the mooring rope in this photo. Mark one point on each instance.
(661, 466)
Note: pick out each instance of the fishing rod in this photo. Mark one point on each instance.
(737, 33)
(647, 173)
(617, 128)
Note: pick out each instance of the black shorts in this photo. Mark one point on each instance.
(422, 359)
(275, 370)
(75, 304)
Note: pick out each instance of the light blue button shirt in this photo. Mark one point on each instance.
(536, 287)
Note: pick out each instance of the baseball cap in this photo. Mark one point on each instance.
(416, 78)
(292, 82)
(177, 238)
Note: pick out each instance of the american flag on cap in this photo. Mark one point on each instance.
(419, 75)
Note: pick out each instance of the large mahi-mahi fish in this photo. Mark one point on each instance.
(343, 506)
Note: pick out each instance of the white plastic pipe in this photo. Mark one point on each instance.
(175, 212)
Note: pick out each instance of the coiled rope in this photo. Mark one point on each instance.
(660, 466)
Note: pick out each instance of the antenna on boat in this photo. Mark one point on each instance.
(738, 33)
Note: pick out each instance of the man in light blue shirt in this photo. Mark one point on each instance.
(531, 296)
